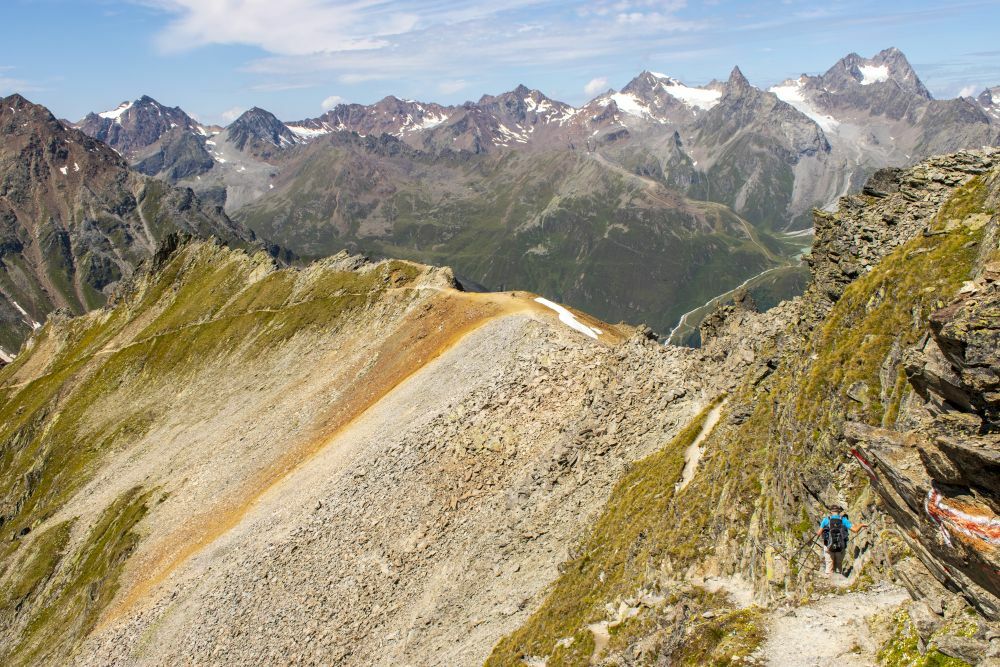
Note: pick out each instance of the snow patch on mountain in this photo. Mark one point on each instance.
(308, 133)
(429, 121)
(697, 98)
(873, 74)
(27, 318)
(630, 104)
(115, 114)
(569, 319)
(791, 93)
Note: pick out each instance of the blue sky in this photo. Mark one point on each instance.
(215, 58)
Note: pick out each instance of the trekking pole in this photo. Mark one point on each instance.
(807, 543)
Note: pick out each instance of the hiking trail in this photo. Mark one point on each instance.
(832, 630)
(692, 455)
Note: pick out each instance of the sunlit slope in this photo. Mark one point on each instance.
(228, 426)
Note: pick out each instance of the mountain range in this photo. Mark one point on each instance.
(703, 187)
(215, 451)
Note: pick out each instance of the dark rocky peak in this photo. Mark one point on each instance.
(888, 65)
(645, 84)
(390, 115)
(990, 97)
(737, 84)
(19, 104)
(520, 105)
(30, 133)
(259, 126)
(132, 126)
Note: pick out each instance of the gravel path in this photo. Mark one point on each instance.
(831, 631)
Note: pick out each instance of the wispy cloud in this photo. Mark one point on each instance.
(449, 87)
(229, 115)
(9, 83)
(330, 102)
(442, 45)
(596, 85)
(359, 41)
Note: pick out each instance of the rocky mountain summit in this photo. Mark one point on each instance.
(358, 463)
(862, 114)
(259, 132)
(74, 220)
(132, 127)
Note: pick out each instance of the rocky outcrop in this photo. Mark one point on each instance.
(811, 380)
(894, 206)
(134, 127)
(941, 482)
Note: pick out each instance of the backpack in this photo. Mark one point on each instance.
(835, 534)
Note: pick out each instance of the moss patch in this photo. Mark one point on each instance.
(902, 648)
(723, 640)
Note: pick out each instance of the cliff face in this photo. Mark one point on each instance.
(940, 481)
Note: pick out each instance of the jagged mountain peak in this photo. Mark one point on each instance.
(989, 100)
(737, 84)
(655, 95)
(136, 127)
(257, 125)
(18, 103)
(886, 65)
(61, 184)
(990, 97)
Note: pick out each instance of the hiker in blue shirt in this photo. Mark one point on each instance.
(835, 531)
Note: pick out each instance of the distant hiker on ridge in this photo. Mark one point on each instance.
(834, 531)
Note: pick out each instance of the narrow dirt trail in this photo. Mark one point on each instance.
(692, 455)
(831, 631)
(602, 637)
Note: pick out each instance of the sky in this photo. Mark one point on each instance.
(216, 58)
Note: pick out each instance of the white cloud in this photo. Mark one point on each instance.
(229, 115)
(968, 91)
(331, 102)
(449, 87)
(12, 84)
(596, 86)
(426, 45)
(292, 27)
(279, 86)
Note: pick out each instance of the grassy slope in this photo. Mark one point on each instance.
(205, 304)
(748, 488)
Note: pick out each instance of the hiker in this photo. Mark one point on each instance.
(834, 531)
